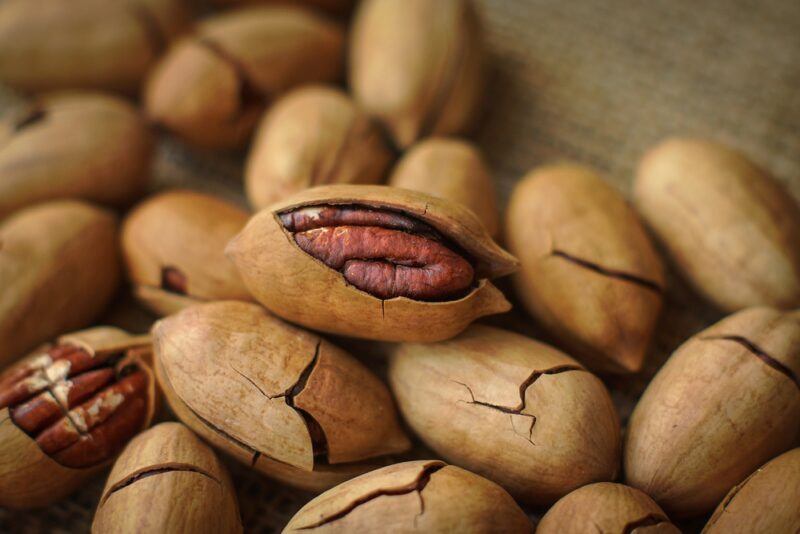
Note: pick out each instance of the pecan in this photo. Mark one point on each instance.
(382, 252)
(80, 408)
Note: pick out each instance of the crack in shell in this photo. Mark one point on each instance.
(760, 353)
(417, 485)
(153, 471)
(611, 273)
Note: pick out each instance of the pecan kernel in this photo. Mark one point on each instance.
(385, 253)
(79, 408)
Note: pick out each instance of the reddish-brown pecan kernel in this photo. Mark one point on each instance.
(80, 408)
(382, 252)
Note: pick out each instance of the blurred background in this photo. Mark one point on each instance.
(596, 82)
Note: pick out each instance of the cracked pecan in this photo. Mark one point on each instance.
(212, 87)
(725, 402)
(413, 496)
(55, 46)
(68, 409)
(606, 507)
(385, 253)
(588, 270)
(500, 404)
(766, 501)
(167, 480)
(80, 409)
(304, 411)
(730, 227)
(373, 262)
(173, 244)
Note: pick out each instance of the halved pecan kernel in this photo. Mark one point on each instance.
(384, 253)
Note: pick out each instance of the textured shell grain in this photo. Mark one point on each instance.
(725, 402)
(419, 496)
(279, 399)
(167, 480)
(589, 272)
(511, 409)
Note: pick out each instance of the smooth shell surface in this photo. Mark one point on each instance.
(766, 501)
(418, 66)
(452, 169)
(59, 267)
(185, 231)
(313, 136)
(588, 271)
(511, 409)
(725, 402)
(96, 44)
(606, 507)
(419, 496)
(275, 393)
(211, 87)
(301, 289)
(167, 480)
(77, 145)
(730, 227)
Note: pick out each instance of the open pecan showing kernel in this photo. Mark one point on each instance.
(80, 408)
(382, 252)
(373, 262)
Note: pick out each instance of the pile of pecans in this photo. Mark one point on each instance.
(239, 355)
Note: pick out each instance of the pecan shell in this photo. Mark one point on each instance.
(59, 267)
(211, 87)
(64, 45)
(373, 262)
(588, 272)
(68, 409)
(313, 136)
(277, 398)
(87, 145)
(173, 244)
(421, 496)
(167, 480)
(725, 402)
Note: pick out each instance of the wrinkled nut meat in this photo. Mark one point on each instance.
(511, 409)
(418, 66)
(173, 245)
(167, 480)
(606, 507)
(211, 88)
(86, 145)
(52, 44)
(730, 227)
(59, 268)
(420, 496)
(277, 398)
(68, 409)
(313, 136)
(766, 501)
(588, 272)
(451, 169)
(373, 262)
(725, 402)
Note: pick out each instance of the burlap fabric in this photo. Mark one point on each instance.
(596, 82)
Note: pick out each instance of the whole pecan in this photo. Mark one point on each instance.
(382, 252)
(80, 408)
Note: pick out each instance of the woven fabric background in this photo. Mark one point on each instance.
(597, 82)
